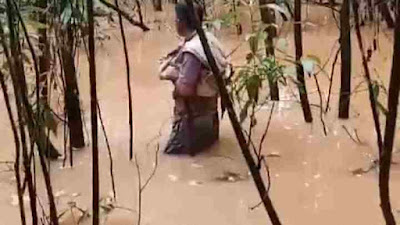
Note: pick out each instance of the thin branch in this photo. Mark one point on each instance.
(265, 132)
(17, 149)
(153, 171)
(109, 153)
(372, 97)
(321, 111)
(351, 136)
(140, 190)
(128, 79)
(125, 15)
(331, 79)
(263, 160)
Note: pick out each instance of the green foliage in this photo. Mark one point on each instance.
(248, 84)
(226, 20)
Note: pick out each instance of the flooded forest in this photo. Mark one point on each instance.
(306, 112)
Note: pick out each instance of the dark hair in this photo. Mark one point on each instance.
(183, 14)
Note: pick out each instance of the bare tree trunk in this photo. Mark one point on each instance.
(384, 9)
(235, 123)
(300, 71)
(268, 17)
(391, 119)
(75, 124)
(20, 88)
(157, 4)
(93, 111)
(18, 94)
(17, 150)
(345, 79)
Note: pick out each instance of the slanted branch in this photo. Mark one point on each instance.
(126, 15)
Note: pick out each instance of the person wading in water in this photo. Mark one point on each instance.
(196, 124)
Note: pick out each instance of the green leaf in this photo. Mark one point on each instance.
(375, 90)
(252, 87)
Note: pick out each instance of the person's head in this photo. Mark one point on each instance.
(184, 23)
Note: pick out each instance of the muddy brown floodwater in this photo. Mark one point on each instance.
(314, 179)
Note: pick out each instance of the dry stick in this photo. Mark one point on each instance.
(368, 78)
(321, 110)
(17, 149)
(125, 15)
(93, 110)
(391, 119)
(128, 81)
(109, 153)
(331, 80)
(234, 121)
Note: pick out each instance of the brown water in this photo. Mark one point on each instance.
(312, 182)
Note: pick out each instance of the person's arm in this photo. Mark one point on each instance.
(169, 72)
(188, 76)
